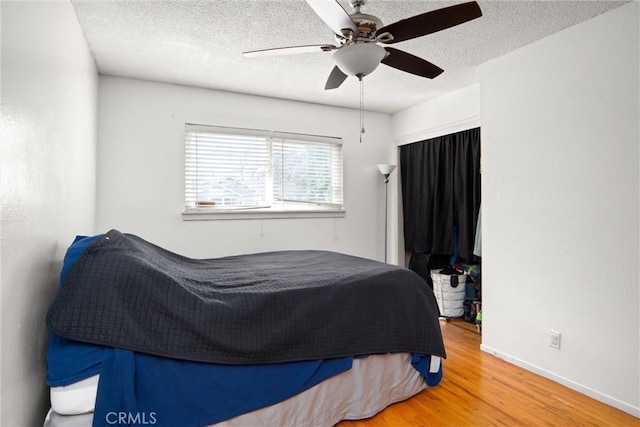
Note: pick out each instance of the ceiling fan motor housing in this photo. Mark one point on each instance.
(367, 26)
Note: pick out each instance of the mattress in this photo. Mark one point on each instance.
(373, 383)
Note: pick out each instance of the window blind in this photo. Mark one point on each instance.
(233, 168)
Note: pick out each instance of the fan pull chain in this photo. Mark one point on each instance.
(361, 107)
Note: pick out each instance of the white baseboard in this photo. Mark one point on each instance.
(623, 406)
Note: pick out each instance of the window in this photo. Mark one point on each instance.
(247, 172)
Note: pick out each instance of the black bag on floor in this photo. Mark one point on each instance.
(423, 263)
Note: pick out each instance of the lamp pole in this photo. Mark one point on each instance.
(386, 170)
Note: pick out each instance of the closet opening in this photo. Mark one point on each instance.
(441, 198)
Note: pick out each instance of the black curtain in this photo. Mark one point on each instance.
(440, 192)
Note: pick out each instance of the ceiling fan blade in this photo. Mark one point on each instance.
(429, 22)
(333, 14)
(291, 50)
(335, 79)
(411, 64)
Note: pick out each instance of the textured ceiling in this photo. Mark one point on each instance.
(199, 43)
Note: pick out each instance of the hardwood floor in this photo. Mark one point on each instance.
(479, 389)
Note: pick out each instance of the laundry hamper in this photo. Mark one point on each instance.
(450, 291)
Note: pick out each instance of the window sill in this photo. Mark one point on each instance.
(265, 213)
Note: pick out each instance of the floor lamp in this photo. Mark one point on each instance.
(386, 170)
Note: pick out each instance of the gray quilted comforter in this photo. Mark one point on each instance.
(260, 308)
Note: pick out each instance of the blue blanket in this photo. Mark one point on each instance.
(182, 393)
(137, 388)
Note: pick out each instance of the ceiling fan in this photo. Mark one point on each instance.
(358, 52)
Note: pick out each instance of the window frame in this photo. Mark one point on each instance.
(286, 209)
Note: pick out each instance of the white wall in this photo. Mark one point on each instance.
(141, 170)
(450, 113)
(47, 170)
(560, 142)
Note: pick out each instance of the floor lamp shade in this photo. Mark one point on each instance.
(386, 169)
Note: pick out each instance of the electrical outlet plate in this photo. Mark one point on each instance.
(554, 339)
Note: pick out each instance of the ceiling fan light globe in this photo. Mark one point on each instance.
(359, 59)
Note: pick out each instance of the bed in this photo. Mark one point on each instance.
(140, 335)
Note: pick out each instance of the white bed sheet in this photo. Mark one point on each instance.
(76, 398)
(372, 384)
